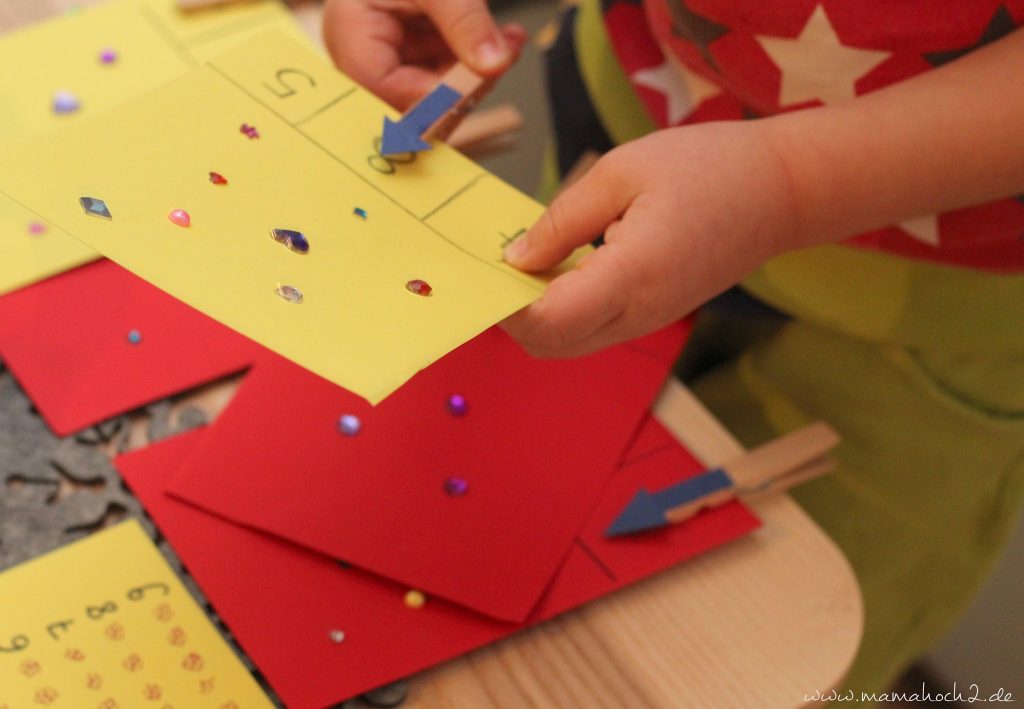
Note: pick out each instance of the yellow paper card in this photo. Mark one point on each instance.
(106, 623)
(153, 42)
(435, 217)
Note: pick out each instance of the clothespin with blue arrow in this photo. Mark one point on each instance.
(775, 466)
(437, 114)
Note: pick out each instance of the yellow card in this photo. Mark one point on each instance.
(96, 58)
(373, 224)
(105, 623)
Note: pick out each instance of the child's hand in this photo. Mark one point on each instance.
(686, 213)
(399, 48)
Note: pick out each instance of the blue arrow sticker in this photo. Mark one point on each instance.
(403, 136)
(647, 511)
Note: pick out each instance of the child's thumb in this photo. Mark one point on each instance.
(577, 216)
(469, 29)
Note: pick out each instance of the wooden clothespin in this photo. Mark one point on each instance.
(437, 114)
(487, 130)
(773, 467)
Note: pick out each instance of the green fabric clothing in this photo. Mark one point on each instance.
(929, 476)
(921, 369)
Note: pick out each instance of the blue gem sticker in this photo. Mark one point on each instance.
(294, 240)
(95, 207)
(65, 102)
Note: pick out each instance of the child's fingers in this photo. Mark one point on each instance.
(576, 217)
(406, 85)
(363, 41)
(575, 306)
(470, 30)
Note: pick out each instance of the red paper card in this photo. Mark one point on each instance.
(538, 444)
(282, 601)
(67, 341)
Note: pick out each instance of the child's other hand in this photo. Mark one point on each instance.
(399, 48)
(686, 213)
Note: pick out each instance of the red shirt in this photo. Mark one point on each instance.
(700, 60)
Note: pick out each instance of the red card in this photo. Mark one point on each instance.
(539, 441)
(282, 601)
(68, 340)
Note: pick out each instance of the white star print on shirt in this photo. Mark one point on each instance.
(924, 229)
(816, 65)
(683, 89)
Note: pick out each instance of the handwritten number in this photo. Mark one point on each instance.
(97, 612)
(385, 165)
(52, 628)
(18, 643)
(137, 594)
(288, 90)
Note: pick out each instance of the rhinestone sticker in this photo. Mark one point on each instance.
(249, 131)
(95, 207)
(415, 599)
(108, 56)
(289, 293)
(65, 102)
(337, 636)
(134, 337)
(456, 486)
(36, 228)
(218, 179)
(180, 217)
(349, 425)
(419, 287)
(294, 240)
(360, 212)
(457, 405)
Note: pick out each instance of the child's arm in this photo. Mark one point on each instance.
(687, 212)
(399, 48)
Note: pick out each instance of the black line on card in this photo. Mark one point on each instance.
(596, 559)
(496, 266)
(458, 193)
(330, 104)
(164, 31)
(626, 462)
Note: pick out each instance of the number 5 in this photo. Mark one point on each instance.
(289, 90)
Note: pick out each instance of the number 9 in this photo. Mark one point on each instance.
(18, 643)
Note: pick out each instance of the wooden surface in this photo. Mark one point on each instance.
(759, 623)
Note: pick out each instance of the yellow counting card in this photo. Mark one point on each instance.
(378, 267)
(105, 623)
(56, 72)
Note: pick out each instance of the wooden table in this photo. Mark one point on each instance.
(759, 623)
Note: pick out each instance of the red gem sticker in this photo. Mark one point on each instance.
(419, 287)
(218, 179)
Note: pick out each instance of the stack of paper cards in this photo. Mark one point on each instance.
(322, 630)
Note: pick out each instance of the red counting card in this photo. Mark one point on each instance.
(98, 341)
(286, 604)
(532, 454)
